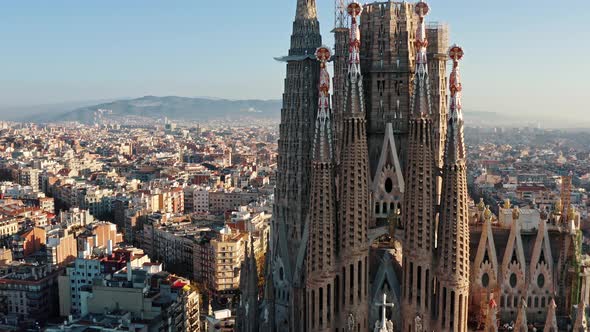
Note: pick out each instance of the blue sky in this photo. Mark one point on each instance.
(521, 56)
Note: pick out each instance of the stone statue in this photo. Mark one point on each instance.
(389, 326)
(418, 323)
(350, 322)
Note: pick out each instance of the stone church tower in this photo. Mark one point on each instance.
(247, 313)
(294, 170)
(345, 171)
(321, 248)
(452, 287)
(388, 57)
(418, 212)
(353, 217)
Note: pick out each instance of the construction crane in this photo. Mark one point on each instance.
(566, 195)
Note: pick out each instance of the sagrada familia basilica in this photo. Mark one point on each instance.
(373, 228)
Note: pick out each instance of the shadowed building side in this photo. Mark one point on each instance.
(294, 168)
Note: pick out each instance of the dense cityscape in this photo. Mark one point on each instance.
(370, 205)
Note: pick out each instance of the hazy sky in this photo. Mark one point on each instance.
(521, 56)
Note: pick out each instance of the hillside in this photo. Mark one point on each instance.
(176, 108)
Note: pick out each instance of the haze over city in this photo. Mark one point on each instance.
(524, 56)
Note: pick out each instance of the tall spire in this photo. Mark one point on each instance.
(354, 147)
(321, 251)
(354, 190)
(292, 193)
(306, 9)
(420, 198)
(420, 104)
(453, 235)
(247, 313)
(455, 149)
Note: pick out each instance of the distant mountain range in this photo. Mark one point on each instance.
(176, 108)
(206, 108)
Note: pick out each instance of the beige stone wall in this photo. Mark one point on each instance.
(128, 299)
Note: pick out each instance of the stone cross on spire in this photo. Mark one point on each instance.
(384, 325)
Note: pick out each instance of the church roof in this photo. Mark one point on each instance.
(501, 236)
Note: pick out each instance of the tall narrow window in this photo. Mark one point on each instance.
(411, 282)
(427, 284)
(312, 309)
(359, 273)
(452, 315)
(443, 311)
(343, 286)
(337, 294)
(351, 282)
(419, 287)
(329, 304)
(321, 305)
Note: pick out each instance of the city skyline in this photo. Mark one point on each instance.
(140, 49)
(409, 178)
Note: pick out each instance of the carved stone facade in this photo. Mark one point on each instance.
(247, 313)
(353, 216)
(388, 63)
(387, 60)
(388, 150)
(452, 285)
(321, 248)
(294, 169)
(388, 184)
(419, 212)
(516, 261)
